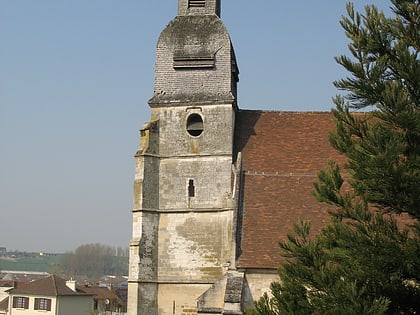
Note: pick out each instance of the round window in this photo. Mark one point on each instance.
(195, 125)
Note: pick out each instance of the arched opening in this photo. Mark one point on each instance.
(195, 125)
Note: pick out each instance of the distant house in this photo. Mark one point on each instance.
(104, 300)
(121, 292)
(4, 287)
(51, 295)
(118, 285)
(22, 276)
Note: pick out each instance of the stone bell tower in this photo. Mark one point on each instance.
(182, 242)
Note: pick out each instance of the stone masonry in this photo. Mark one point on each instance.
(183, 221)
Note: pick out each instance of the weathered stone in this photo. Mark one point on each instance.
(183, 208)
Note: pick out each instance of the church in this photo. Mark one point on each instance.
(216, 188)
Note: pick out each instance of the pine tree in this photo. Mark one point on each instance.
(382, 147)
(363, 261)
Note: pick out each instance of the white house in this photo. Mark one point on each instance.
(51, 295)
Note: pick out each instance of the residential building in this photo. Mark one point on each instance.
(104, 300)
(51, 295)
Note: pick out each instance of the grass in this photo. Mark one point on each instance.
(32, 263)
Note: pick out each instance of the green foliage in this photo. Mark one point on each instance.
(95, 260)
(367, 266)
(382, 147)
(92, 260)
(362, 261)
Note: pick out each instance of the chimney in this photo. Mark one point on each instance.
(71, 284)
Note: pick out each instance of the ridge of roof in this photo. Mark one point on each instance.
(54, 283)
(284, 111)
(49, 286)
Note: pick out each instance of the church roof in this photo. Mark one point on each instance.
(281, 153)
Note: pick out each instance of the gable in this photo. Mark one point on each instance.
(281, 153)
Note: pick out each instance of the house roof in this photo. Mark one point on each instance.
(7, 283)
(281, 153)
(49, 286)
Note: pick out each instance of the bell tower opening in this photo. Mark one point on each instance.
(198, 7)
(196, 3)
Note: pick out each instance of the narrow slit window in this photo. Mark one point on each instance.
(191, 188)
(196, 3)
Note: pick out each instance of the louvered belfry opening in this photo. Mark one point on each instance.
(196, 3)
(198, 7)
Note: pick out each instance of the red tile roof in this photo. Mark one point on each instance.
(282, 153)
(49, 286)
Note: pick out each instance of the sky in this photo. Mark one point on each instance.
(75, 78)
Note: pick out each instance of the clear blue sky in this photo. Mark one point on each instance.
(75, 78)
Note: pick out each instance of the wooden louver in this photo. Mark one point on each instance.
(196, 3)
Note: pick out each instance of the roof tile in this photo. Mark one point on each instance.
(49, 286)
(282, 153)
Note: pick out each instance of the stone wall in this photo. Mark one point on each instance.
(183, 209)
(258, 283)
(194, 247)
(217, 137)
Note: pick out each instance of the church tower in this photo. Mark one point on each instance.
(183, 244)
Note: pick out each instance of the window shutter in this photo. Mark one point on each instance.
(42, 304)
(20, 302)
(196, 3)
(26, 303)
(36, 305)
